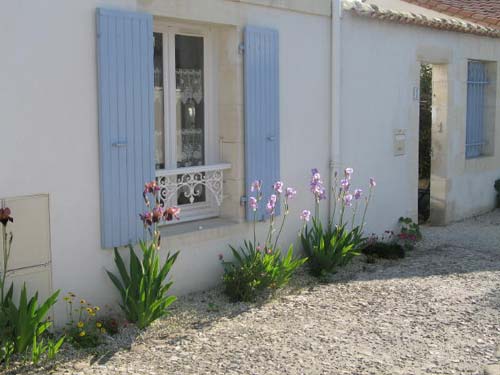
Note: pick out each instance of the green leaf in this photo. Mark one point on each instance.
(121, 266)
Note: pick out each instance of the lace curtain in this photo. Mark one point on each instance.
(190, 84)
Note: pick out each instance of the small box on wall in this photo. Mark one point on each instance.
(30, 255)
(399, 142)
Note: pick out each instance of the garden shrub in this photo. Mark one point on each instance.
(28, 321)
(409, 233)
(111, 325)
(142, 287)
(256, 266)
(334, 245)
(329, 248)
(391, 245)
(383, 250)
(83, 328)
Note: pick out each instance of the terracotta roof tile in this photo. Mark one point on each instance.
(360, 8)
(484, 12)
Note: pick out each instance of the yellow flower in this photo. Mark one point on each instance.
(97, 308)
(83, 302)
(82, 333)
(89, 310)
(103, 330)
(98, 324)
(80, 324)
(66, 298)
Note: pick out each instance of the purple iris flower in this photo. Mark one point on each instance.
(256, 185)
(344, 183)
(316, 185)
(252, 202)
(358, 193)
(348, 200)
(305, 215)
(270, 206)
(278, 187)
(290, 192)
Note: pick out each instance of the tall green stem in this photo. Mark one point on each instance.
(254, 224)
(270, 232)
(4, 271)
(354, 214)
(7, 243)
(282, 224)
(366, 208)
(334, 197)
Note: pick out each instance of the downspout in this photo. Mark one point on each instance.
(336, 61)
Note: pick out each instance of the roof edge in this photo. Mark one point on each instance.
(446, 24)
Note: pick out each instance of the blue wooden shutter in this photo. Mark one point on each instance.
(476, 84)
(262, 107)
(126, 122)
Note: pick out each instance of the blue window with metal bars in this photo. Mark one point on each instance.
(476, 95)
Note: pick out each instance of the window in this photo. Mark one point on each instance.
(184, 132)
(481, 97)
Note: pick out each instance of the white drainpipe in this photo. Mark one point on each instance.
(335, 159)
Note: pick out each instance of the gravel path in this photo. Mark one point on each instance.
(435, 312)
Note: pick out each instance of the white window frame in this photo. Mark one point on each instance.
(169, 29)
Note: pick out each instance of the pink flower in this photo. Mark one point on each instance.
(258, 248)
(358, 193)
(271, 204)
(171, 213)
(5, 216)
(372, 182)
(290, 192)
(278, 187)
(147, 218)
(151, 187)
(252, 203)
(305, 215)
(157, 214)
(256, 185)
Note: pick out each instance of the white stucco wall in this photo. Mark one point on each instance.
(49, 132)
(49, 128)
(380, 68)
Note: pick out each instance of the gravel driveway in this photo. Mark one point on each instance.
(435, 312)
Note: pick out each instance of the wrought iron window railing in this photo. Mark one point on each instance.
(192, 185)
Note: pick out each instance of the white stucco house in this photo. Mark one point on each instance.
(100, 96)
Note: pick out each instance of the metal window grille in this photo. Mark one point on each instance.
(476, 94)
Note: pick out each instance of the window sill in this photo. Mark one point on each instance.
(199, 230)
(481, 163)
(482, 156)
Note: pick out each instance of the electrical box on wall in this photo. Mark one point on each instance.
(30, 258)
(399, 142)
